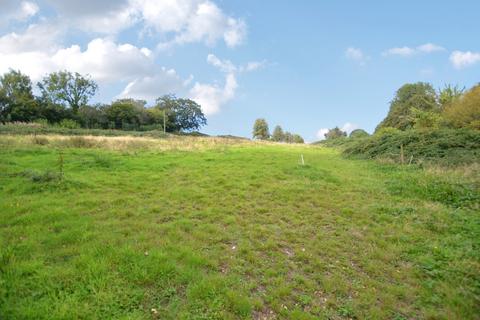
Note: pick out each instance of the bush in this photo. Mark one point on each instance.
(443, 146)
(358, 133)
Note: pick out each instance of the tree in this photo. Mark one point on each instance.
(67, 88)
(335, 133)
(260, 129)
(181, 114)
(425, 119)
(465, 111)
(418, 95)
(278, 135)
(93, 116)
(358, 133)
(288, 137)
(17, 102)
(297, 138)
(122, 114)
(448, 95)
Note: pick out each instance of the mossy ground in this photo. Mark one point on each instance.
(241, 231)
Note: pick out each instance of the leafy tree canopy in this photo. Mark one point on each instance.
(335, 133)
(68, 89)
(358, 133)
(465, 111)
(418, 95)
(449, 94)
(278, 135)
(17, 102)
(181, 114)
(260, 129)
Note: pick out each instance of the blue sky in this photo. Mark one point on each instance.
(306, 65)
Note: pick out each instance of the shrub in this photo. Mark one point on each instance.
(358, 133)
(443, 146)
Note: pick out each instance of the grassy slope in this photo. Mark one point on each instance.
(232, 233)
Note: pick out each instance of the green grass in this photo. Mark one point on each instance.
(238, 232)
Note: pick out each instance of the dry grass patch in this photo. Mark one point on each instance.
(128, 143)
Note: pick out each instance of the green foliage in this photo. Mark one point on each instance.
(296, 138)
(69, 124)
(464, 112)
(358, 133)
(123, 114)
(417, 96)
(93, 117)
(448, 95)
(64, 98)
(261, 131)
(67, 89)
(442, 146)
(288, 137)
(335, 133)
(17, 102)
(425, 119)
(182, 114)
(278, 135)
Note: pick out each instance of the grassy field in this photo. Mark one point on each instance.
(203, 228)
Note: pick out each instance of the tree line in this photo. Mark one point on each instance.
(261, 131)
(420, 106)
(64, 97)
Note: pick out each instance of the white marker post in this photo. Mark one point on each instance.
(301, 157)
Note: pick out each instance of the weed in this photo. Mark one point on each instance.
(42, 177)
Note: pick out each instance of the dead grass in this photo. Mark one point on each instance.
(129, 143)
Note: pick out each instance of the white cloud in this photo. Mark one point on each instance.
(37, 37)
(228, 67)
(430, 47)
(106, 61)
(165, 81)
(321, 133)
(223, 65)
(402, 51)
(211, 97)
(12, 10)
(36, 53)
(254, 65)
(408, 51)
(462, 59)
(175, 21)
(356, 54)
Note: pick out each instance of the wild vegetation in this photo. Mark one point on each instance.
(261, 131)
(422, 126)
(64, 103)
(139, 228)
(106, 214)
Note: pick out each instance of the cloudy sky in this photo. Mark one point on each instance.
(306, 65)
